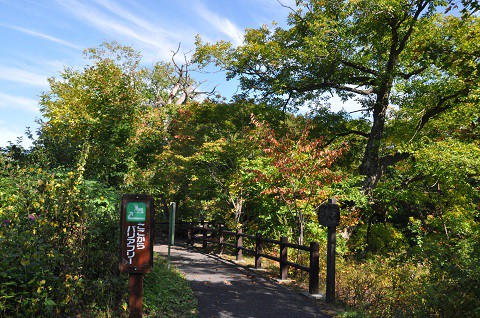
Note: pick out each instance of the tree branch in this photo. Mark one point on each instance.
(389, 160)
(441, 106)
(350, 132)
(359, 67)
(354, 90)
(326, 85)
(403, 42)
(286, 6)
(413, 73)
(362, 110)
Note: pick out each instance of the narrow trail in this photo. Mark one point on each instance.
(227, 291)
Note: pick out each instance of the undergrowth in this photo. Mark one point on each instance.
(167, 293)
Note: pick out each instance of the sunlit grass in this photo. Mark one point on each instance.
(167, 292)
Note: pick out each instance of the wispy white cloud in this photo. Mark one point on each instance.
(269, 5)
(125, 14)
(264, 12)
(7, 134)
(18, 103)
(221, 24)
(11, 134)
(40, 35)
(119, 22)
(21, 76)
(156, 36)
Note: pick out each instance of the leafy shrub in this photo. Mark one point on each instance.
(58, 242)
(442, 280)
(379, 287)
(452, 286)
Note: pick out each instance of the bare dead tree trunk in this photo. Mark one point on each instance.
(237, 203)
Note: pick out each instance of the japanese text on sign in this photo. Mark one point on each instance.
(135, 240)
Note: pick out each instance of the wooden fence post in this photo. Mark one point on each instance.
(213, 236)
(258, 250)
(314, 268)
(190, 239)
(283, 258)
(220, 239)
(239, 244)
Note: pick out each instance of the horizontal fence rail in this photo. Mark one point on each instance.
(216, 236)
(181, 228)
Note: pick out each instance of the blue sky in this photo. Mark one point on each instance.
(40, 37)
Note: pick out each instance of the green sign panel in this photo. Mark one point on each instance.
(136, 211)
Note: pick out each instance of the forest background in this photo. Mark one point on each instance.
(404, 168)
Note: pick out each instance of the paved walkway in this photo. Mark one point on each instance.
(227, 291)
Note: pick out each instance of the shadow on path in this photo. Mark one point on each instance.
(226, 291)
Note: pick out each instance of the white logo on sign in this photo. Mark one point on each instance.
(138, 209)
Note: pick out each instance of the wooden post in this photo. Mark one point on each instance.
(283, 258)
(329, 215)
(135, 297)
(190, 238)
(204, 236)
(239, 244)
(136, 245)
(258, 250)
(220, 239)
(213, 236)
(331, 244)
(314, 268)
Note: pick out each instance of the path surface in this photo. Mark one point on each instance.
(227, 291)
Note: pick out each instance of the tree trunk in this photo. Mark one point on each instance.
(237, 203)
(371, 167)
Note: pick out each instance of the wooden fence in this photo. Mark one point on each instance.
(181, 229)
(217, 237)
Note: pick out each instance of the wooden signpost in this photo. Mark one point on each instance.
(136, 245)
(329, 215)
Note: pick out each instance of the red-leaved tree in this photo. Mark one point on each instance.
(299, 170)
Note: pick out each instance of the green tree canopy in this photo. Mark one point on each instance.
(97, 108)
(116, 109)
(413, 57)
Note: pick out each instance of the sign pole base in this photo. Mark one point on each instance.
(331, 244)
(135, 298)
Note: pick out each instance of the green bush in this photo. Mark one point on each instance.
(58, 244)
(441, 280)
(379, 286)
(452, 286)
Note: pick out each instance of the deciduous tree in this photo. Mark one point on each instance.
(412, 56)
(298, 172)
